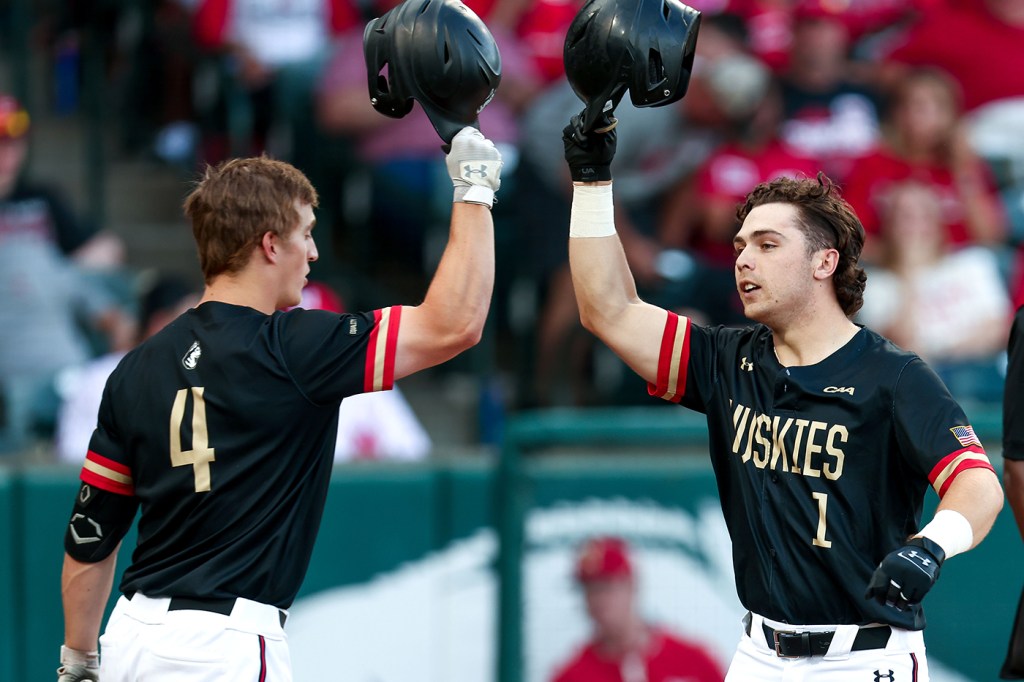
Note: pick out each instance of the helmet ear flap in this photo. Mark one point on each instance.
(387, 94)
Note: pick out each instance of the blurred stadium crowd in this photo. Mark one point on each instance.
(916, 107)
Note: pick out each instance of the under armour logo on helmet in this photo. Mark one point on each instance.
(879, 676)
(468, 171)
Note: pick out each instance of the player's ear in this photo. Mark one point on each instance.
(825, 263)
(269, 246)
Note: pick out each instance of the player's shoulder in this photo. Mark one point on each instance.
(736, 334)
(879, 349)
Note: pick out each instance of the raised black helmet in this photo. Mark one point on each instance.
(437, 52)
(644, 46)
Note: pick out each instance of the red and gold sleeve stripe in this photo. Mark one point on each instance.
(106, 474)
(672, 360)
(953, 464)
(380, 351)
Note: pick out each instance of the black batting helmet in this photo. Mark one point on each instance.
(645, 46)
(437, 52)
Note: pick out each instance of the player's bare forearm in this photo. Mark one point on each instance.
(85, 589)
(977, 495)
(609, 305)
(1013, 482)
(452, 316)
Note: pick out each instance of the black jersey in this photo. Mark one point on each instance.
(822, 469)
(1013, 396)
(222, 426)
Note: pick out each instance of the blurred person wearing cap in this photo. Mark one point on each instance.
(622, 647)
(54, 305)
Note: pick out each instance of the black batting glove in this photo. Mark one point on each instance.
(590, 155)
(906, 575)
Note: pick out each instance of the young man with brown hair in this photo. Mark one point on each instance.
(221, 428)
(824, 436)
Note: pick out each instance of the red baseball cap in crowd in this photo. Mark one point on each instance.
(602, 559)
(14, 121)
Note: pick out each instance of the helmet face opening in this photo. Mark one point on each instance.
(644, 46)
(436, 52)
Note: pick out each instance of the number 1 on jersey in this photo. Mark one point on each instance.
(819, 539)
(201, 453)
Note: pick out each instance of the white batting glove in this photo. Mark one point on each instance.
(78, 666)
(475, 166)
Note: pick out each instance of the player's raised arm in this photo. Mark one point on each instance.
(605, 290)
(452, 315)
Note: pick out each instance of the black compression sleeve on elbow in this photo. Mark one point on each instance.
(98, 522)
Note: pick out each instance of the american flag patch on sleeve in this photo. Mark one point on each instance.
(966, 435)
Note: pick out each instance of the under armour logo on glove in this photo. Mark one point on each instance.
(474, 164)
(905, 575)
(468, 171)
(921, 560)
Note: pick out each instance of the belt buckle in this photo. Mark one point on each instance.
(778, 645)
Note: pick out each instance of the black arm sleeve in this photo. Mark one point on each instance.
(98, 522)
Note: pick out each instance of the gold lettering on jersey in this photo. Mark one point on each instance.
(778, 442)
(812, 449)
(792, 445)
(739, 422)
(801, 424)
(834, 470)
(764, 452)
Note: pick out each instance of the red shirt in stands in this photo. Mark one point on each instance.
(866, 187)
(990, 63)
(731, 172)
(667, 659)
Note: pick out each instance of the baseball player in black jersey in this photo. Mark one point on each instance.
(220, 429)
(824, 436)
(1013, 474)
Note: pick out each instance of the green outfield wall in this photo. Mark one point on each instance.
(380, 517)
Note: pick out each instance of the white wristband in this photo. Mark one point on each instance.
(474, 194)
(593, 213)
(950, 531)
(69, 656)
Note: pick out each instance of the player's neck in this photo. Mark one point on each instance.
(812, 341)
(237, 289)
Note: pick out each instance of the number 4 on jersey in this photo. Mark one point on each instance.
(201, 453)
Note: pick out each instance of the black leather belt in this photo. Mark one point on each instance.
(221, 606)
(790, 644)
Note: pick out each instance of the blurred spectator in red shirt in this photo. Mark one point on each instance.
(924, 139)
(979, 42)
(827, 116)
(624, 648)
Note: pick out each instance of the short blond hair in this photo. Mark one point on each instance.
(237, 202)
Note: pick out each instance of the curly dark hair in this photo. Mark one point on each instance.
(827, 222)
